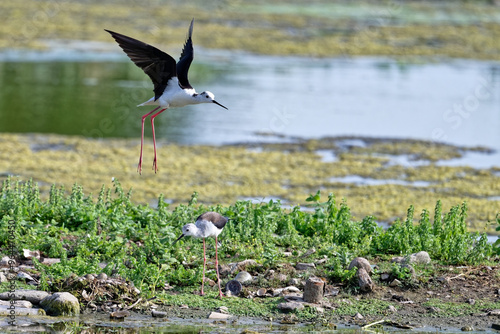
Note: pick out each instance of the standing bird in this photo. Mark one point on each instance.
(209, 224)
(170, 79)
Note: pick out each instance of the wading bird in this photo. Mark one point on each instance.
(170, 79)
(209, 224)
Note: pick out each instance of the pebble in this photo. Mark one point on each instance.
(290, 306)
(243, 277)
(218, 315)
(158, 314)
(119, 314)
(395, 283)
(360, 262)
(305, 266)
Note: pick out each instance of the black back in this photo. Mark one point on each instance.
(216, 218)
(158, 65)
(185, 60)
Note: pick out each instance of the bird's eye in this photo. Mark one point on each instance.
(206, 96)
(187, 230)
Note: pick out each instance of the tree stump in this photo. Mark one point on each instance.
(313, 291)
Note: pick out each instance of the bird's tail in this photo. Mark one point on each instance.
(149, 102)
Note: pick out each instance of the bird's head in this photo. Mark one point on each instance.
(187, 230)
(209, 97)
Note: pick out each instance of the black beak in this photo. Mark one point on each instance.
(217, 103)
(179, 238)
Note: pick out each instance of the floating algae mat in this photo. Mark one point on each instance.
(287, 171)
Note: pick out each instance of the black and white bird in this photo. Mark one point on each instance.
(208, 224)
(171, 85)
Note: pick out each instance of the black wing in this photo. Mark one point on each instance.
(185, 60)
(216, 218)
(158, 65)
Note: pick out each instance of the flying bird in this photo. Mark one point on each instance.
(171, 85)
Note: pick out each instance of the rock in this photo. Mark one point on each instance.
(294, 281)
(119, 315)
(261, 292)
(243, 277)
(33, 296)
(31, 254)
(309, 252)
(290, 306)
(358, 316)
(467, 329)
(305, 266)
(7, 261)
(158, 314)
(217, 315)
(287, 254)
(313, 291)
(495, 326)
(360, 262)
(233, 288)
(384, 277)
(242, 265)
(102, 277)
(184, 306)
(21, 311)
(22, 276)
(283, 291)
(364, 280)
(50, 261)
(17, 303)
(223, 309)
(471, 301)
(3, 278)
(392, 309)
(319, 309)
(331, 290)
(395, 283)
(61, 303)
(420, 258)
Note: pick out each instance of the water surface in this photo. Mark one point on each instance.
(95, 94)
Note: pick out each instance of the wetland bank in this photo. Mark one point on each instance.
(373, 157)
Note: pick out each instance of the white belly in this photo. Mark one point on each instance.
(173, 96)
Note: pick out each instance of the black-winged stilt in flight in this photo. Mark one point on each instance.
(170, 79)
(209, 224)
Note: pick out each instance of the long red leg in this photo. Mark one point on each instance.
(139, 167)
(155, 167)
(204, 263)
(217, 268)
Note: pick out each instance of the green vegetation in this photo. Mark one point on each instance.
(463, 29)
(135, 241)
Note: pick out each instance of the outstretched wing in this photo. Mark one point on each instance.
(185, 60)
(158, 65)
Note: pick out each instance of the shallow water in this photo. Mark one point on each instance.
(95, 93)
(100, 323)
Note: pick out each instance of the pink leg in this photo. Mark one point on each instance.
(139, 167)
(204, 263)
(217, 268)
(155, 167)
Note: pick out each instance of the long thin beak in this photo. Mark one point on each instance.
(217, 103)
(179, 238)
